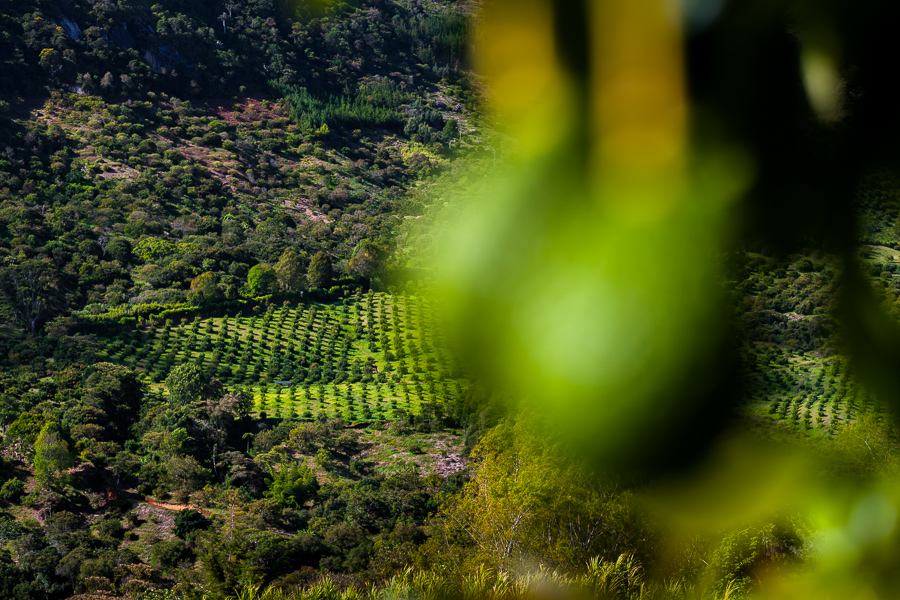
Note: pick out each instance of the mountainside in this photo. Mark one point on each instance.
(225, 371)
(149, 151)
(198, 204)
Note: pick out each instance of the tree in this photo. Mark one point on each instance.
(184, 474)
(119, 249)
(187, 521)
(124, 465)
(204, 288)
(289, 270)
(366, 260)
(169, 554)
(262, 279)
(451, 130)
(106, 84)
(292, 485)
(319, 273)
(230, 407)
(804, 265)
(117, 392)
(32, 290)
(22, 433)
(222, 416)
(14, 581)
(50, 60)
(86, 83)
(185, 384)
(306, 437)
(51, 454)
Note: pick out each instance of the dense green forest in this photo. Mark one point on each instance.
(386, 299)
(139, 169)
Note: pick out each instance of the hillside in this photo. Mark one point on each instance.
(309, 360)
(151, 152)
(202, 306)
(294, 303)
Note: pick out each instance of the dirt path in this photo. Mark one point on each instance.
(168, 506)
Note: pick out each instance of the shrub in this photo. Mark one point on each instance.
(804, 265)
(168, 555)
(12, 490)
(111, 528)
(187, 521)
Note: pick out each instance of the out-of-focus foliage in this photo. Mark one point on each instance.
(649, 153)
(591, 257)
(529, 502)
